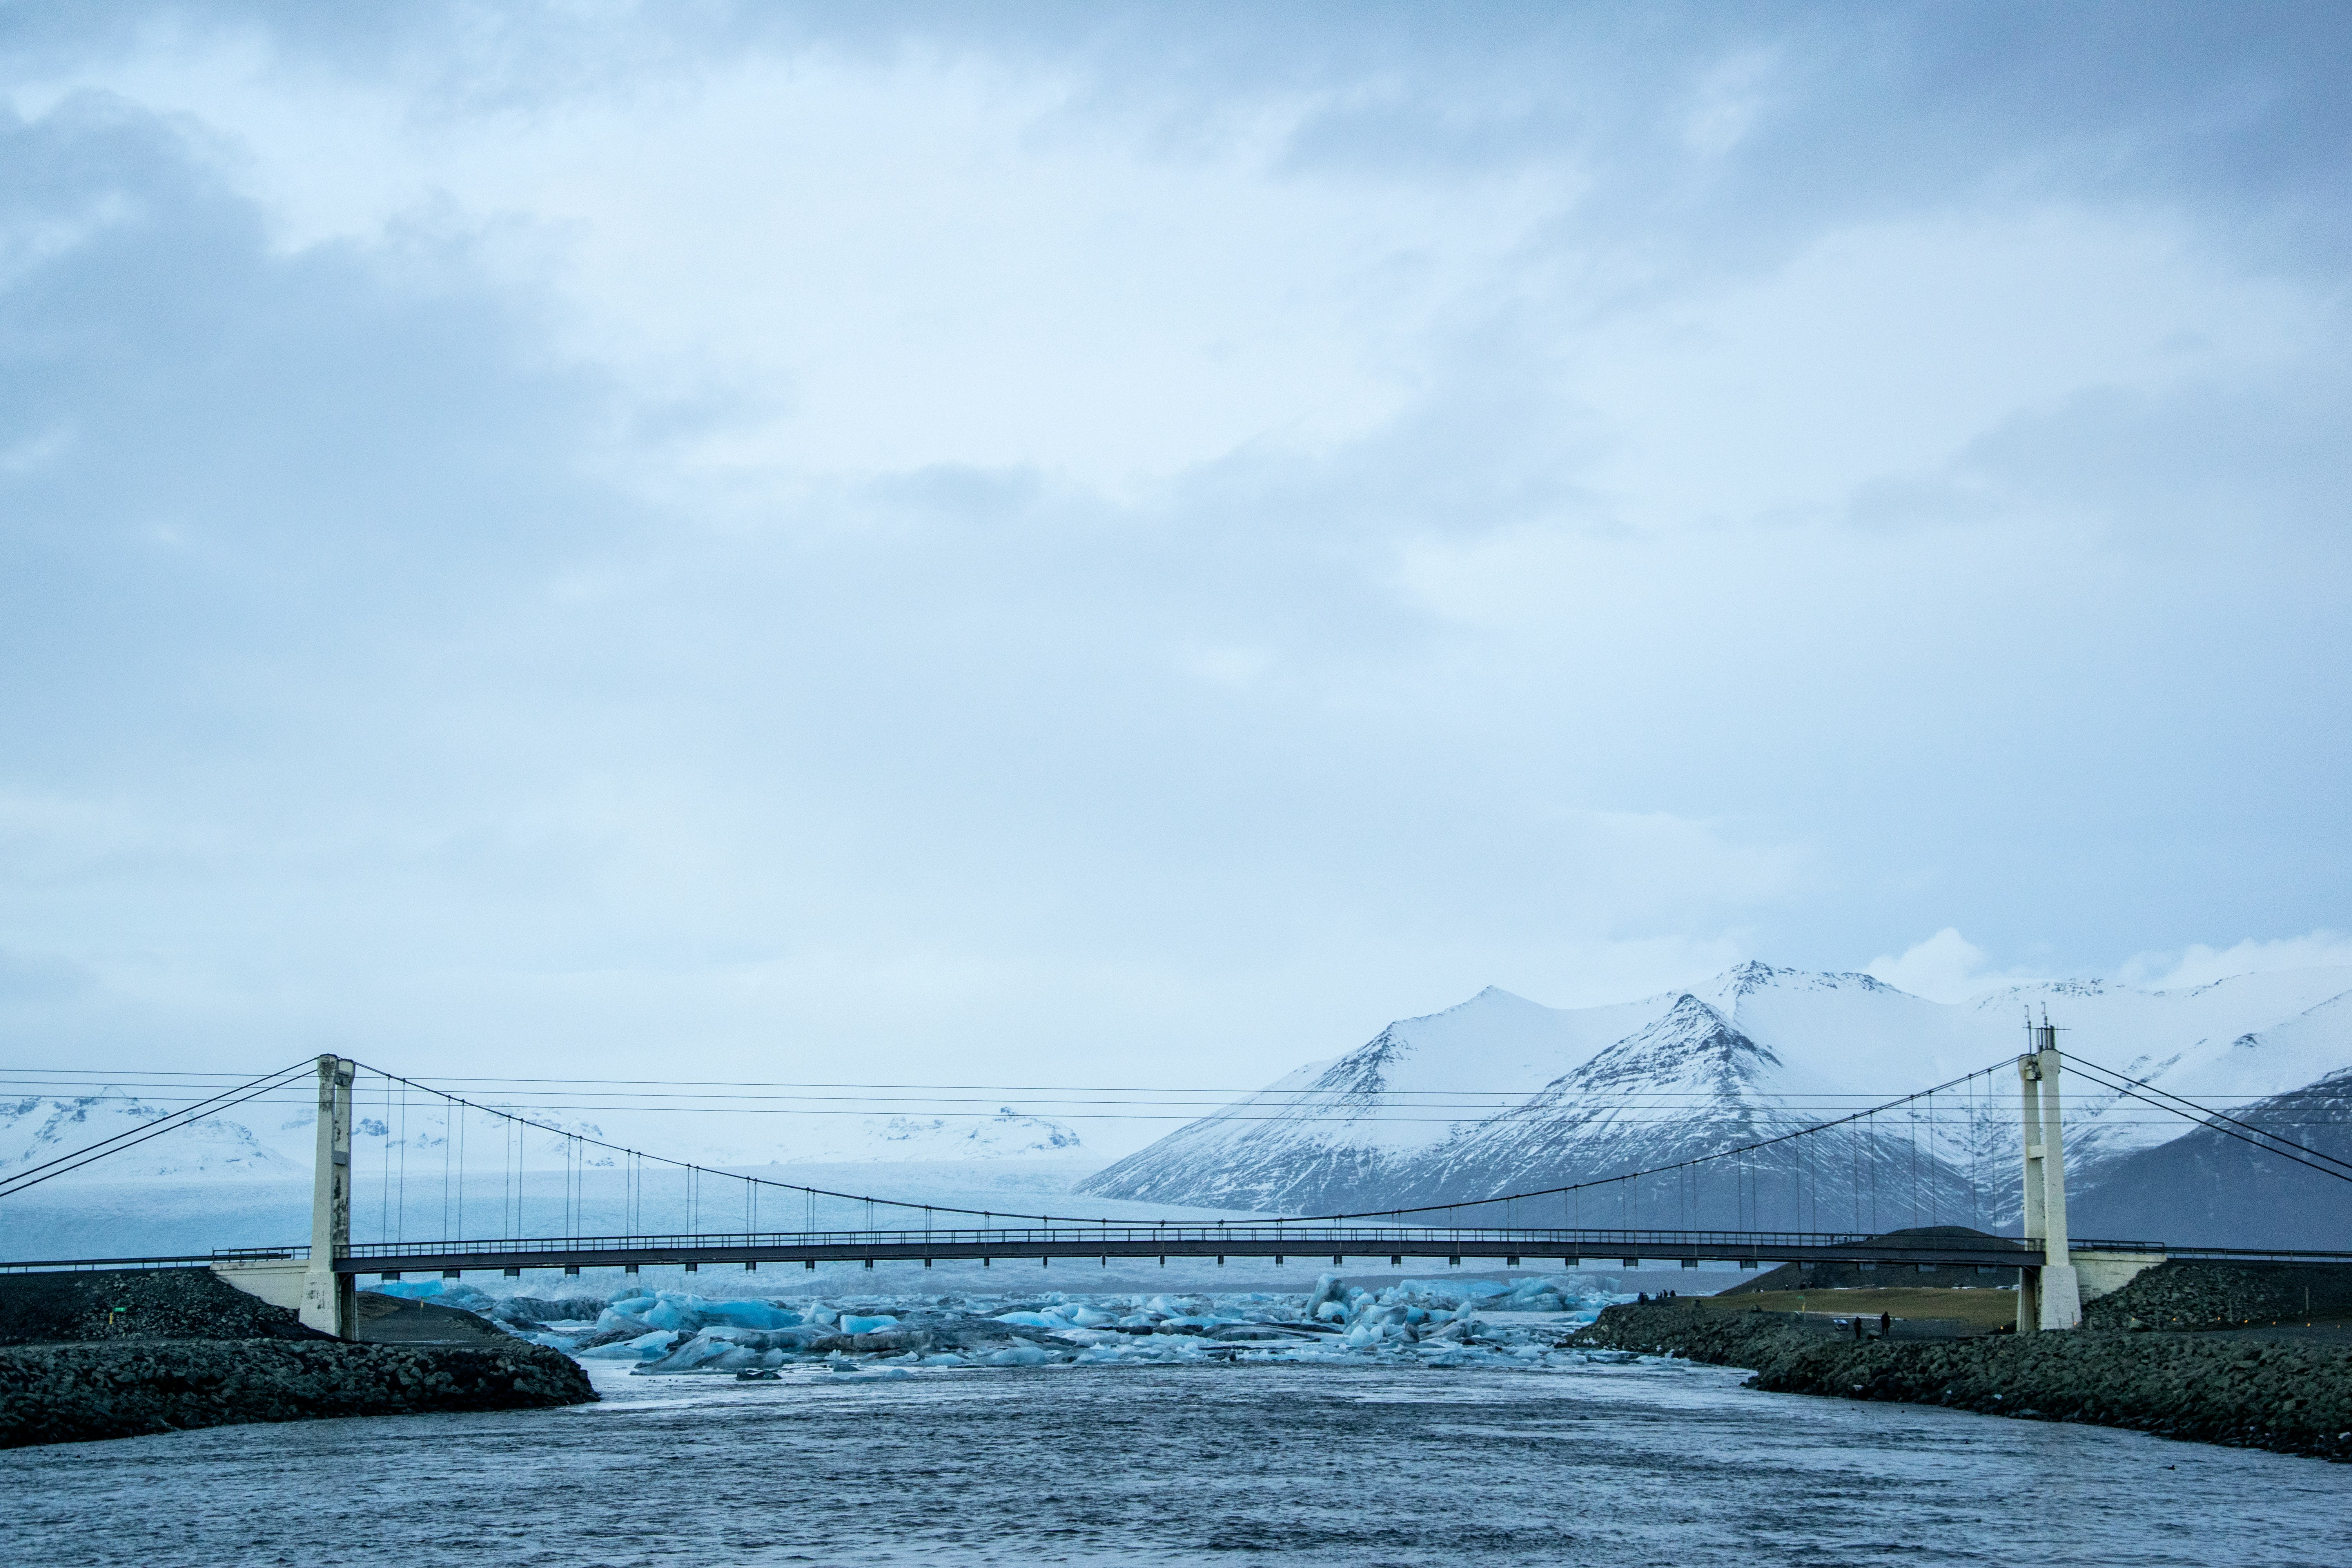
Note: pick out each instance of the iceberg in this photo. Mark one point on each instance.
(645, 1347)
(1450, 1322)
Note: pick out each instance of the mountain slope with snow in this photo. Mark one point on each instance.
(1687, 1084)
(1337, 1128)
(2209, 1185)
(273, 1138)
(1542, 1097)
(37, 1129)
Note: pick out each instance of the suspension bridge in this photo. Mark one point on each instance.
(2054, 1271)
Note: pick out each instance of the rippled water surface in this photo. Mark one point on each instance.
(1648, 1463)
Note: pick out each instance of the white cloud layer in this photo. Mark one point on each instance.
(2199, 964)
(1947, 967)
(1038, 542)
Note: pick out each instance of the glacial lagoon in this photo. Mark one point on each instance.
(1393, 1448)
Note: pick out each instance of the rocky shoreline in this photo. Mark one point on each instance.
(2291, 1399)
(122, 1355)
(75, 1392)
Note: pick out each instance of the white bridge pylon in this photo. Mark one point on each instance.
(2050, 1296)
(328, 1297)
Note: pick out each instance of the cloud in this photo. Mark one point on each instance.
(1036, 535)
(1947, 967)
(41, 977)
(2197, 964)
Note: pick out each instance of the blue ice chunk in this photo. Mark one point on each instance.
(613, 1317)
(751, 1315)
(645, 1347)
(671, 1314)
(856, 1325)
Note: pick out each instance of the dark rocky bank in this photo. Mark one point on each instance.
(2180, 1294)
(1879, 1275)
(2293, 1399)
(120, 1354)
(138, 1304)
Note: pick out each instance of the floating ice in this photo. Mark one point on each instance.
(645, 1347)
(1450, 1322)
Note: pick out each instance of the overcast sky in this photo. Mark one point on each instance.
(1031, 544)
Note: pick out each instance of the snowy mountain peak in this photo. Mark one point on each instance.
(1752, 975)
(1755, 981)
(1691, 1046)
(1546, 1093)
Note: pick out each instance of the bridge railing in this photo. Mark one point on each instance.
(79, 1265)
(1305, 1238)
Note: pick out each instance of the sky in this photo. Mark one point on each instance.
(1133, 545)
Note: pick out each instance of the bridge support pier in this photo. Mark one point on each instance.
(328, 1297)
(2050, 1296)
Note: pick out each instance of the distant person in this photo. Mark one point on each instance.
(1885, 1325)
(1642, 1299)
(1857, 1331)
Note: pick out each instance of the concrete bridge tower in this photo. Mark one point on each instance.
(327, 1296)
(2050, 1296)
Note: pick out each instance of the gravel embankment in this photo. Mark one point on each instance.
(2180, 1294)
(73, 1392)
(121, 1353)
(2243, 1394)
(138, 1304)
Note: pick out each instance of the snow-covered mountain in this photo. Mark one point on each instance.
(1501, 1095)
(275, 1139)
(37, 1129)
(1007, 1135)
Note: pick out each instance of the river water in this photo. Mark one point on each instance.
(1648, 1462)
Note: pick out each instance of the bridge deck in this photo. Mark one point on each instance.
(1309, 1244)
(1339, 1244)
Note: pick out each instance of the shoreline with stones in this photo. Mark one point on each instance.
(96, 1354)
(2116, 1371)
(79, 1392)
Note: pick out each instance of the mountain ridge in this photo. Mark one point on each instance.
(1602, 1091)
